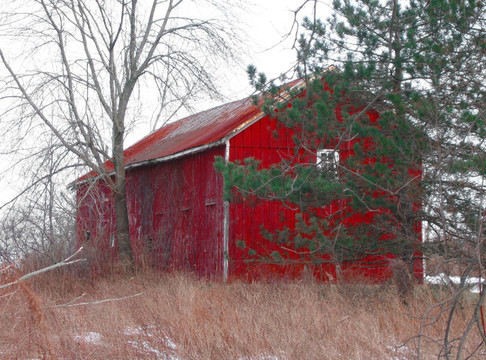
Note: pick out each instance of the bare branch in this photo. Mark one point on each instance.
(65, 262)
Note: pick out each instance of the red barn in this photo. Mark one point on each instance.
(177, 213)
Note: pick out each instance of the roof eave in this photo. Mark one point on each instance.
(177, 155)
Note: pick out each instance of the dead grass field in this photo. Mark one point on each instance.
(175, 316)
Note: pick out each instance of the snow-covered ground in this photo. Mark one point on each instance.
(133, 335)
(90, 337)
(442, 279)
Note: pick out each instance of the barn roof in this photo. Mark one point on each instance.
(204, 128)
(193, 133)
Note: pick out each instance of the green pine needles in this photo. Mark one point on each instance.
(388, 138)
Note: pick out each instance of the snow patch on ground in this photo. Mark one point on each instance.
(139, 330)
(145, 346)
(135, 338)
(90, 337)
(442, 279)
(401, 352)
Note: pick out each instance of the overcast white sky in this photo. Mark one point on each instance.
(267, 22)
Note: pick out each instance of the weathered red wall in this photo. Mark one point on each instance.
(268, 142)
(95, 222)
(248, 218)
(175, 213)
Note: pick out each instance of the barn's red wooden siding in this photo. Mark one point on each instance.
(264, 142)
(271, 144)
(176, 208)
(175, 214)
(95, 222)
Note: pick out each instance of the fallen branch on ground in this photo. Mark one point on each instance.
(65, 262)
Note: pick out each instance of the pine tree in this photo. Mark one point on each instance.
(426, 60)
(420, 65)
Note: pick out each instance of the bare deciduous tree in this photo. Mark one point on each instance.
(38, 223)
(87, 71)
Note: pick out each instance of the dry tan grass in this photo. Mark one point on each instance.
(187, 318)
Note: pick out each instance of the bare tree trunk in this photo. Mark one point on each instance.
(120, 202)
(97, 52)
(122, 225)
